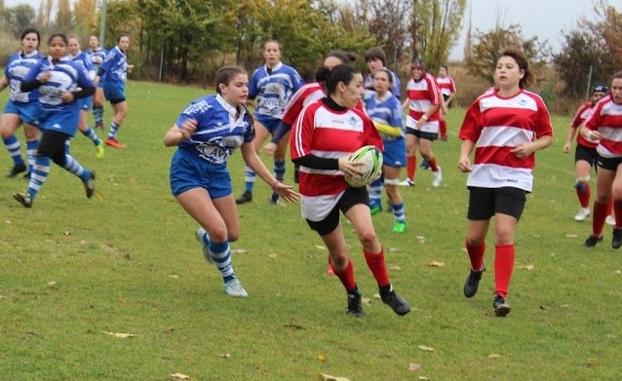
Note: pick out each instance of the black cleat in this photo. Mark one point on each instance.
(616, 240)
(99, 125)
(502, 308)
(89, 185)
(398, 304)
(592, 240)
(274, 199)
(244, 198)
(355, 308)
(23, 199)
(16, 170)
(26, 176)
(471, 283)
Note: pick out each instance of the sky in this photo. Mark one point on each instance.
(543, 18)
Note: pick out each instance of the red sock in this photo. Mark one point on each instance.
(411, 166)
(442, 127)
(504, 264)
(598, 221)
(583, 192)
(376, 264)
(617, 211)
(476, 254)
(433, 164)
(346, 276)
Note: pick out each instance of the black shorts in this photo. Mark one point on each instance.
(431, 136)
(52, 145)
(351, 197)
(485, 202)
(609, 163)
(586, 154)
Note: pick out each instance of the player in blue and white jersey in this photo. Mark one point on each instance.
(97, 54)
(22, 107)
(386, 112)
(114, 71)
(272, 85)
(207, 132)
(376, 59)
(82, 60)
(61, 83)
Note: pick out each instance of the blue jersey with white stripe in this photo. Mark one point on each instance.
(386, 109)
(273, 89)
(84, 62)
(115, 66)
(218, 131)
(368, 83)
(16, 69)
(96, 56)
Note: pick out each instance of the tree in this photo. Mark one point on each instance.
(19, 18)
(389, 23)
(86, 16)
(64, 16)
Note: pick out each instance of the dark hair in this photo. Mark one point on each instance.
(521, 60)
(417, 62)
(376, 54)
(340, 73)
(60, 35)
(445, 67)
(225, 74)
(345, 57)
(617, 75)
(119, 37)
(387, 72)
(27, 31)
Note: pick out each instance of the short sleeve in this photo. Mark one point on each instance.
(396, 114)
(252, 86)
(249, 135)
(543, 122)
(471, 125)
(593, 121)
(302, 133)
(195, 110)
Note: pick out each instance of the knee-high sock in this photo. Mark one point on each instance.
(476, 255)
(442, 127)
(504, 265)
(114, 129)
(433, 164)
(375, 262)
(89, 133)
(617, 211)
(221, 254)
(411, 166)
(345, 275)
(98, 114)
(279, 169)
(583, 193)
(39, 174)
(249, 178)
(598, 220)
(12, 146)
(398, 212)
(375, 193)
(31, 147)
(74, 167)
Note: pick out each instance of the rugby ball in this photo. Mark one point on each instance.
(371, 169)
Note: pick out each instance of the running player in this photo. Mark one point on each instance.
(97, 54)
(386, 112)
(22, 107)
(376, 60)
(113, 73)
(447, 87)
(82, 60)
(272, 84)
(604, 126)
(505, 126)
(61, 83)
(324, 134)
(207, 132)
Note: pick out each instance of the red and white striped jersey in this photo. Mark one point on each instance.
(327, 133)
(422, 95)
(607, 119)
(497, 125)
(307, 94)
(446, 85)
(583, 114)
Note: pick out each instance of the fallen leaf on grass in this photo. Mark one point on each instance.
(272, 255)
(67, 232)
(320, 247)
(420, 237)
(174, 276)
(239, 251)
(366, 300)
(526, 267)
(377, 296)
(425, 348)
(423, 378)
(119, 334)
(395, 268)
(321, 357)
(435, 264)
(494, 356)
(328, 377)
(413, 367)
(618, 272)
(571, 236)
(7, 221)
(179, 376)
(393, 249)
(52, 284)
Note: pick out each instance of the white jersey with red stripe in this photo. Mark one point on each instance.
(497, 125)
(422, 95)
(581, 116)
(446, 85)
(607, 119)
(307, 94)
(324, 132)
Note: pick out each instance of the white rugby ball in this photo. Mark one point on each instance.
(371, 169)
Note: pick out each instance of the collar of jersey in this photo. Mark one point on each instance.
(230, 109)
(33, 54)
(76, 56)
(386, 96)
(277, 67)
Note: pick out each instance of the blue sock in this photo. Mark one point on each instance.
(74, 167)
(31, 147)
(39, 174)
(89, 133)
(98, 114)
(112, 133)
(67, 146)
(375, 193)
(220, 253)
(398, 212)
(249, 178)
(279, 169)
(12, 145)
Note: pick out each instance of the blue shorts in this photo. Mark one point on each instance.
(394, 154)
(188, 171)
(27, 112)
(269, 123)
(114, 92)
(85, 103)
(63, 120)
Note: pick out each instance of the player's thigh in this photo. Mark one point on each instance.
(8, 124)
(229, 213)
(199, 205)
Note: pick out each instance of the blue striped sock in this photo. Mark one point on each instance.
(12, 145)
(74, 167)
(249, 178)
(220, 253)
(398, 212)
(375, 193)
(31, 147)
(112, 133)
(279, 169)
(89, 133)
(98, 114)
(39, 174)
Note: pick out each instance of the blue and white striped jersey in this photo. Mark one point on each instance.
(273, 89)
(16, 69)
(83, 60)
(115, 65)
(96, 56)
(387, 110)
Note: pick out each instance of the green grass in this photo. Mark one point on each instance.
(127, 261)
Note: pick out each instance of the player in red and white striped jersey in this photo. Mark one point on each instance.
(447, 87)
(605, 126)
(422, 122)
(324, 136)
(585, 153)
(505, 126)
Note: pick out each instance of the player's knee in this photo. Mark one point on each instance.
(233, 236)
(367, 237)
(504, 236)
(339, 260)
(219, 234)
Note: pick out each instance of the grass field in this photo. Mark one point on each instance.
(126, 261)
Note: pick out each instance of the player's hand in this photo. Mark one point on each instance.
(43, 77)
(130, 68)
(285, 191)
(188, 128)
(269, 148)
(592, 136)
(464, 164)
(351, 168)
(567, 147)
(524, 150)
(66, 96)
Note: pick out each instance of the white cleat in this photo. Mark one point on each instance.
(406, 183)
(199, 234)
(438, 178)
(234, 288)
(582, 214)
(610, 220)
